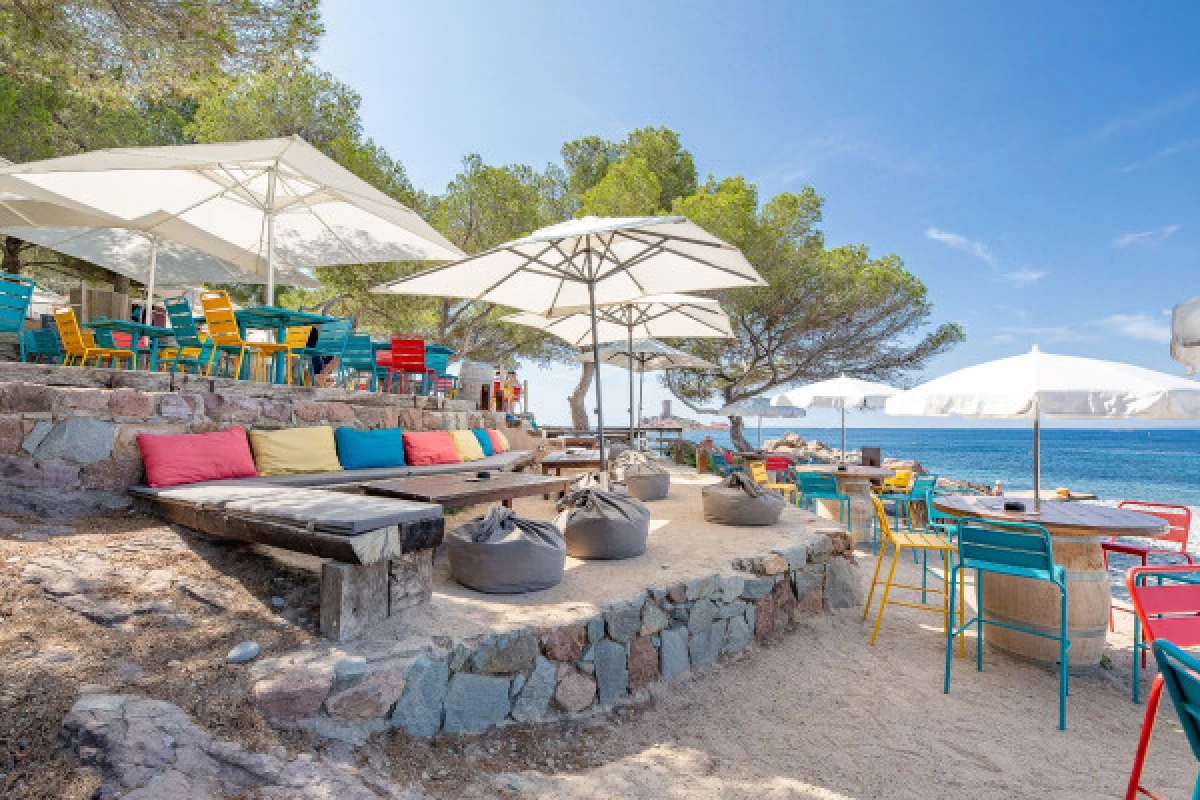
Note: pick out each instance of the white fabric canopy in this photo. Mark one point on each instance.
(589, 262)
(1185, 334)
(282, 201)
(1040, 384)
(841, 393)
(761, 407)
(649, 355)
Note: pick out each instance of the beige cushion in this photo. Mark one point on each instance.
(295, 450)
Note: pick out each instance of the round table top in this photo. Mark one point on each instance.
(851, 471)
(1059, 517)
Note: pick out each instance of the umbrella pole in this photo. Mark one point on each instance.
(148, 308)
(631, 423)
(1037, 457)
(641, 391)
(760, 433)
(599, 396)
(843, 405)
(269, 300)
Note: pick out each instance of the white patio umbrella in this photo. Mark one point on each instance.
(842, 392)
(642, 356)
(1038, 384)
(587, 263)
(661, 315)
(761, 407)
(1185, 334)
(271, 206)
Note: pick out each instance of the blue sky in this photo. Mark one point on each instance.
(1035, 164)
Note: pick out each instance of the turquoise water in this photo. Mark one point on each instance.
(1156, 465)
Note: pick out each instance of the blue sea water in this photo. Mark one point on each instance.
(1157, 465)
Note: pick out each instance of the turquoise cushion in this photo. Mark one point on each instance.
(485, 441)
(366, 449)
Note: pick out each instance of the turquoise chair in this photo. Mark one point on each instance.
(721, 465)
(42, 343)
(1179, 673)
(814, 486)
(1017, 549)
(358, 357)
(191, 351)
(16, 293)
(332, 338)
(940, 522)
(917, 493)
(437, 361)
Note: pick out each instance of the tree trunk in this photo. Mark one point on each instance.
(120, 284)
(737, 432)
(578, 397)
(12, 255)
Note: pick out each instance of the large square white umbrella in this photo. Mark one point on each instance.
(842, 392)
(586, 263)
(274, 206)
(1185, 334)
(1038, 384)
(761, 407)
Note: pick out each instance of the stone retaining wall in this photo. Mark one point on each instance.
(591, 664)
(68, 434)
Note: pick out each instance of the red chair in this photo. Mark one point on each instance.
(777, 464)
(1180, 520)
(1168, 609)
(408, 362)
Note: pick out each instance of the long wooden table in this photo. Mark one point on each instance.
(558, 461)
(1076, 533)
(459, 490)
(855, 482)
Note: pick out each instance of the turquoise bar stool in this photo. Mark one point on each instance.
(814, 486)
(191, 352)
(917, 493)
(1018, 549)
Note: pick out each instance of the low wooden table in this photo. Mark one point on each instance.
(1076, 533)
(855, 482)
(459, 489)
(558, 461)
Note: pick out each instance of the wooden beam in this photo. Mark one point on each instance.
(353, 598)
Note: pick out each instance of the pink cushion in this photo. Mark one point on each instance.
(498, 444)
(174, 459)
(429, 447)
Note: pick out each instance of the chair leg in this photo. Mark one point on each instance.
(1063, 646)
(886, 589)
(950, 639)
(874, 583)
(1137, 645)
(979, 620)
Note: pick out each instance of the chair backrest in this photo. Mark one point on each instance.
(1011, 546)
(42, 342)
(1169, 605)
(297, 337)
(719, 462)
(408, 355)
(881, 518)
(16, 293)
(777, 463)
(940, 519)
(220, 319)
(359, 353)
(437, 358)
(72, 335)
(332, 336)
(903, 477)
(922, 484)
(183, 323)
(1178, 517)
(758, 472)
(1181, 675)
(816, 483)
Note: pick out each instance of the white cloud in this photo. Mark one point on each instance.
(960, 242)
(1142, 118)
(1170, 151)
(1021, 278)
(1155, 236)
(1138, 326)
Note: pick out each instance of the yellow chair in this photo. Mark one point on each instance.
(917, 541)
(897, 483)
(224, 331)
(296, 339)
(759, 474)
(80, 345)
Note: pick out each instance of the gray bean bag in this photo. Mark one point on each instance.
(643, 477)
(501, 553)
(740, 501)
(603, 524)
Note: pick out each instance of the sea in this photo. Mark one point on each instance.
(1153, 464)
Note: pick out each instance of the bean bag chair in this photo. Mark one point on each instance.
(642, 476)
(740, 501)
(603, 524)
(501, 553)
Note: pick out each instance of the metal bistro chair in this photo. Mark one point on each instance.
(16, 293)
(81, 345)
(332, 337)
(295, 340)
(814, 486)
(191, 351)
(1179, 518)
(358, 358)
(1167, 609)
(407, 363)
(437, 360)
(1017, 549)
(722, 466)
(42, 343)
(225, 332)
(760, 475)
(1179, 671)
(917, 493)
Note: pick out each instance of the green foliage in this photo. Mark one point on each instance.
(629, 188)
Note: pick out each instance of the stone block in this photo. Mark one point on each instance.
(19, 472)
(731, 588)
(704, 614)
(843, 584)
(566, 642)
(673, 652)
(702, 586)
(809, 586)
(410, 580)
(533, 699)
(293, 695)
(612, 672)
(623, 620)
(756, 588)
(796, 555)
(677, 593)
(575, 691)
(432, 421)
(36, 434)
(654, 619)
(19, 397)
(113, 475)
(88, 401)
(78, 440)
(505, 653)
(133, 404)
(734, 609)
(229, 406)
(370, 698)
(12, 435)
(705, 646)
(820, 549)
(410, 419)
(181, 407)
(419, 709)
(737, 635)
(643, 663)
(595, 629)
(475, 703)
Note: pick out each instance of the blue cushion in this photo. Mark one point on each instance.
(485, 441)
(366, 449)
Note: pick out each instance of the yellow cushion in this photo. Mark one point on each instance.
(503, 440)
(295, 450)
(467, 445)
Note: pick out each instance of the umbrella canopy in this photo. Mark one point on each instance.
(589, 262)
(1039, 384)
(280, 203)
(1185, 334)
(761, 407)
(840, 393)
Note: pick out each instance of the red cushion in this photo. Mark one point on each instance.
(174, 459)
(497, 443)
(429, 447)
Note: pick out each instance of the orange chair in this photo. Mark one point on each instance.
(80, 345)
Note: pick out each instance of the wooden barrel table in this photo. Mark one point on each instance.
(855, 482)
(1076, 533)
